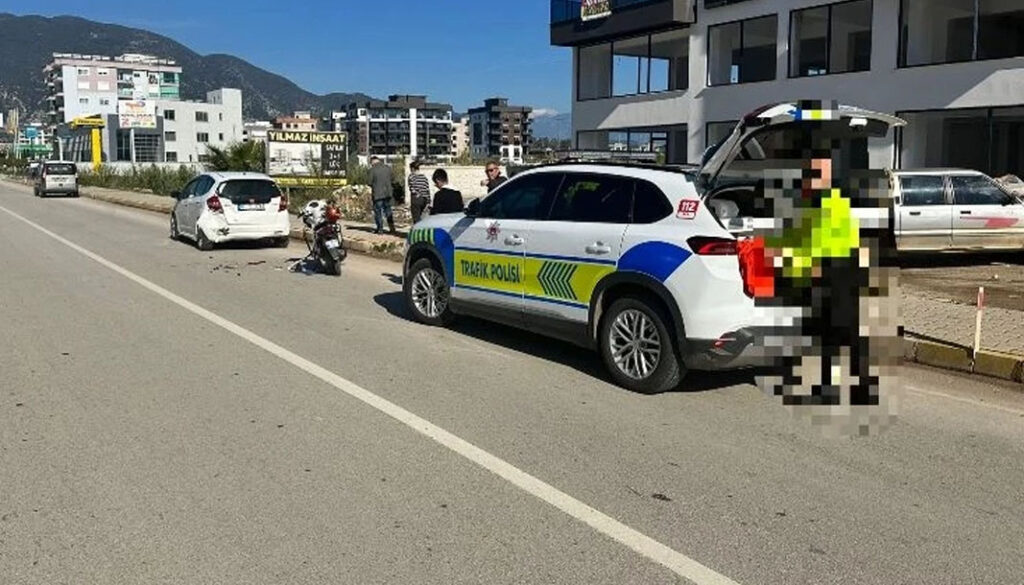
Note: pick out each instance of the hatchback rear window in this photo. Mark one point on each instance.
(65, 169)
(249, 190)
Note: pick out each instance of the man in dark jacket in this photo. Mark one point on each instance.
(494, 178)
(382, 193)
(446, 200)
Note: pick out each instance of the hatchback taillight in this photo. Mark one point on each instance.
(706, 246)
(213, 204)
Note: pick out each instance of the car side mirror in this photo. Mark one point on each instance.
(473, 208)
(176, 195)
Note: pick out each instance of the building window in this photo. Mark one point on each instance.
(83, 71)
(830, 39)
(220, 137)
(220, 116)
(742, 52)
(715, 132)
(103, 72)
(170, 78)
(124, 146)
(84, 85)
(103, 86)
(83, 101)
(202, 137)
(202, 117)
(169, 115)
(104, 101)
(667, 144)
(170, 136)
(171, 156)
(147, 148)
(717, 3)
(639, 65)
(990, 140)
(959, 30)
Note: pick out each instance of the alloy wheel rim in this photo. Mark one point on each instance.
(429, 293)
(635, 344)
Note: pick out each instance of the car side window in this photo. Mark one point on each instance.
(593, 198)
(203, 185)
(921, 190)
(976, 190)
(189, 189)
(527, 197)
(649, 203)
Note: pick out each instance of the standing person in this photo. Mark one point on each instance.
(381, 190)
(494, 178)
(419, 191)
(446, 200)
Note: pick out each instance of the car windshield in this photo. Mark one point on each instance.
(60, 169)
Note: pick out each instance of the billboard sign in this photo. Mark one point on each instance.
(594, 9)
(136, 114)
(307, 153)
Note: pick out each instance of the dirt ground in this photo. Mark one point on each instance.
(957, 277)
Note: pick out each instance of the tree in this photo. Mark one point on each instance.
(238, 156)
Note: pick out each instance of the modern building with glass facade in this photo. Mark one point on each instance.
(673, 76)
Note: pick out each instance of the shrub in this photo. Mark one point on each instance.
(158, 180)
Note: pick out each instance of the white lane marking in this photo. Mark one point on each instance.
(646, 546)
(973, 401)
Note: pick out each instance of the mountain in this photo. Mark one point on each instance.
(552, 125)
(27, 44)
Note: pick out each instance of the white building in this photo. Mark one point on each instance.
(188, 127)
(460, 137)
(676, 74)
(256, 130)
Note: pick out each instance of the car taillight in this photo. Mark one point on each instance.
(213, 204)
(333, 215)
(283, 205)
(703, 246)
(756, 270)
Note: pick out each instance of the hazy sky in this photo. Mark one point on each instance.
(456, 51)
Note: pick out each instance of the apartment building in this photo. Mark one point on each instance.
(88, 85)
(673, 76)
(498, 124)
(403, 125)
(300, 121)
(460, 137)
(187, 127)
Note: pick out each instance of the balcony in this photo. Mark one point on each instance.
(628, 17)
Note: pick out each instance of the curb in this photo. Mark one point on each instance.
(394, 251)
(992, 364)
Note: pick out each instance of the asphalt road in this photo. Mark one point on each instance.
(174, 416)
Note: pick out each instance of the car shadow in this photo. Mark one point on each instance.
(556, 351)
(392, 278)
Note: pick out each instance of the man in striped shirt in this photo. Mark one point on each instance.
(419, 191)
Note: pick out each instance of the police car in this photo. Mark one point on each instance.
(630, 260)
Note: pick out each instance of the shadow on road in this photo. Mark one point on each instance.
(392, 278)
(552, 350)
(958, 260)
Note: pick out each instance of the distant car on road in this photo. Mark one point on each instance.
(955, 210)
(56, 177)
(214, 208)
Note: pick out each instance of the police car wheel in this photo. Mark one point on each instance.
(427, 294)
(637, 347)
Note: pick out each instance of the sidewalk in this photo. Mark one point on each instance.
(359, 237)
(1001, 330)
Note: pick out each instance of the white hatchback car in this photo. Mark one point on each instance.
(214, 208)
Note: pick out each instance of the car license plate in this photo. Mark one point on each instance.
(332, 244)
(250, 207)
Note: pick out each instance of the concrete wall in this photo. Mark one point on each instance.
(461, 178)
(884, 88)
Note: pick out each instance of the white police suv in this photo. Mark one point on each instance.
(627, 259)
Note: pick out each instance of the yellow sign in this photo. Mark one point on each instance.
(87, 123)
(311, 181)
(495, 272)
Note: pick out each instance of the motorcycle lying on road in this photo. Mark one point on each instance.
(326, 248)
